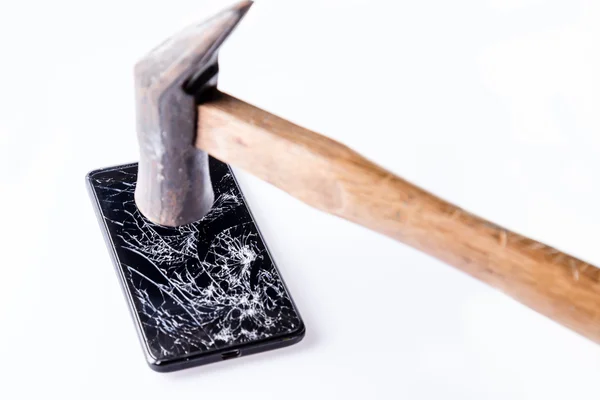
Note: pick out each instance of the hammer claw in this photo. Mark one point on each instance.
(186, 55)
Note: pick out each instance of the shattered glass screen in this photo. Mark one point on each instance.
(203, 286)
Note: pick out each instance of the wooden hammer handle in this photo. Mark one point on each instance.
(331, 177)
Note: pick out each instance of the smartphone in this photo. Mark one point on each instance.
(203, 292)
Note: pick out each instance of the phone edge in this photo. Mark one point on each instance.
(202, 358)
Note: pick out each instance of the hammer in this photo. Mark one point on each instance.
(182, 118)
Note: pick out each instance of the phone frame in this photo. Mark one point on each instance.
(201, 357)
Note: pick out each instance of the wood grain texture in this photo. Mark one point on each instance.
(333, 178)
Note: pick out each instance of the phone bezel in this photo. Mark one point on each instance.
(201, 357)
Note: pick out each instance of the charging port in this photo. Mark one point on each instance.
(230, 354)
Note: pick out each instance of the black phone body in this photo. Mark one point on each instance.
(199, 293)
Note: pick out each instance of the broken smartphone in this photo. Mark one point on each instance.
(202, 292)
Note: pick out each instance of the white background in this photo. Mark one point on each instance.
(494, 105)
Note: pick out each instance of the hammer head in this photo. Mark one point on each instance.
(173, 184)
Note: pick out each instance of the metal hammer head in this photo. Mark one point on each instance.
(173, 185)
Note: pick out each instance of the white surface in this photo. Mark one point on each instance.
(491, 104)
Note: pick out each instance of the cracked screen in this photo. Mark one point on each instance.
(203, 286)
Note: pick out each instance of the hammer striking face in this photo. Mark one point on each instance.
(173, 186)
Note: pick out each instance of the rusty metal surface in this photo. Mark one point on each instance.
(174, 186)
